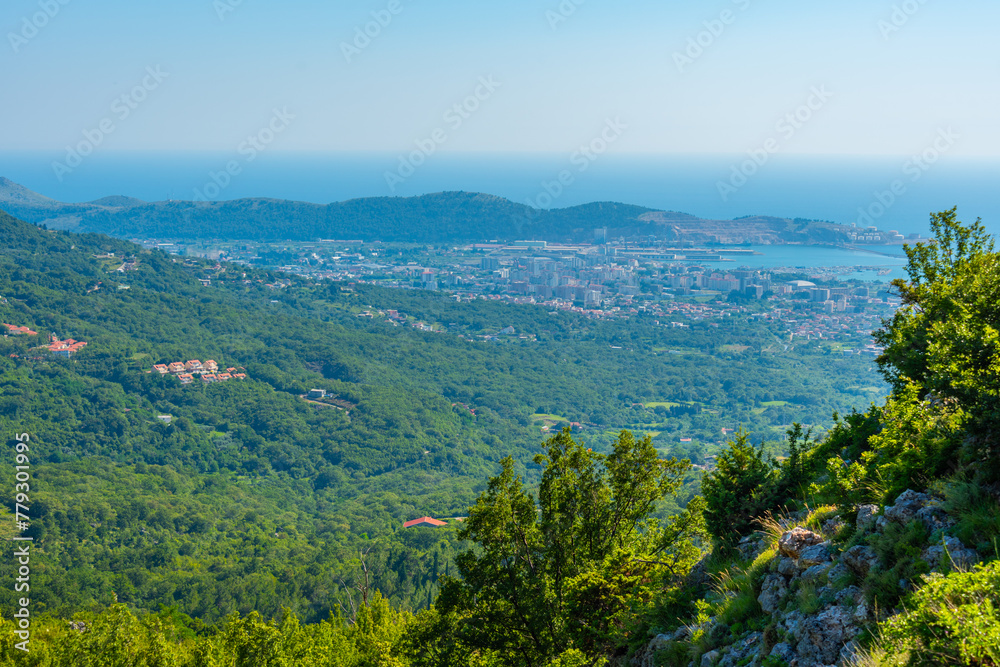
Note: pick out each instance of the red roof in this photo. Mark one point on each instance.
(425, 521)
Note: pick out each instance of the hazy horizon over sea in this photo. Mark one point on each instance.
(836, 188)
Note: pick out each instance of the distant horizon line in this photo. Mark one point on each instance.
(955, 157)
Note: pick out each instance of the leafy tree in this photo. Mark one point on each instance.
(740, 489)
(568, 574)
(944, 344)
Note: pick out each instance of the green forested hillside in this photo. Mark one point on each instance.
(252, 499)
(434, 218)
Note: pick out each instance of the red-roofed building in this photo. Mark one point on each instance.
(161, 369)
(425, 521)
(20, 331)
(193, 365)
(176, 367)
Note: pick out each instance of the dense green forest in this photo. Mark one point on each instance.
(435, 218)
(250, 500)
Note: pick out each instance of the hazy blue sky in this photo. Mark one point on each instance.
(558, 82)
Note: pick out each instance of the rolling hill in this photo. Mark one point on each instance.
(443, 217)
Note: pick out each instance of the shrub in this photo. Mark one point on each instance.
(953, 620)
(739, 490)
(900, 546)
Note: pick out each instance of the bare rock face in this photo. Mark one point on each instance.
(934, 518)
(817, 573)
(818, 554)
(866, 516)
(906, 507)
(793, 623)
(784, 652)
(773, 592)
(839, 572)
(833, 526)
(709, 659)
(795, 541)
(850, 595)
(647, 656)
(951, 551)
(741, 651)
(787, 567)
(850, 654)
(861, 559)
(824, 635)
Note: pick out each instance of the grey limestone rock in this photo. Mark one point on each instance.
(772, 593)
(906, 506)
(816, 554)
(710, 659)
(784, 652)
(866, 516)
(792, 623)
(817, 573)
(794, 541)
(839, 572)
(787, 567)
(934, 518)
(823, 636)
(861, 559)
(950, 552)
(832, 526)
(647, 656)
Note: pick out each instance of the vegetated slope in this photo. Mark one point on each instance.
(433, 218)
(251, 499)
(878, 544)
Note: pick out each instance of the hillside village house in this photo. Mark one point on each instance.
(64, 348)
(208, 371)
(425, 521)
(15, 330)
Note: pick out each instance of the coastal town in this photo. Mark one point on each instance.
(676, 287)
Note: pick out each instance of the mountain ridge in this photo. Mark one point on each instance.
(451, 216)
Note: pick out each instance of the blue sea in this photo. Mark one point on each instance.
(839, 189)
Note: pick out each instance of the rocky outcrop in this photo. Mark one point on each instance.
(906, 507)
(833, 526)
(860, 559)
(647, 657)
(808, 574)
(824, 635)
(935, 518)
(773, 593)
(866, 517)
(795, 541)
(949, 553)
(818, 554)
